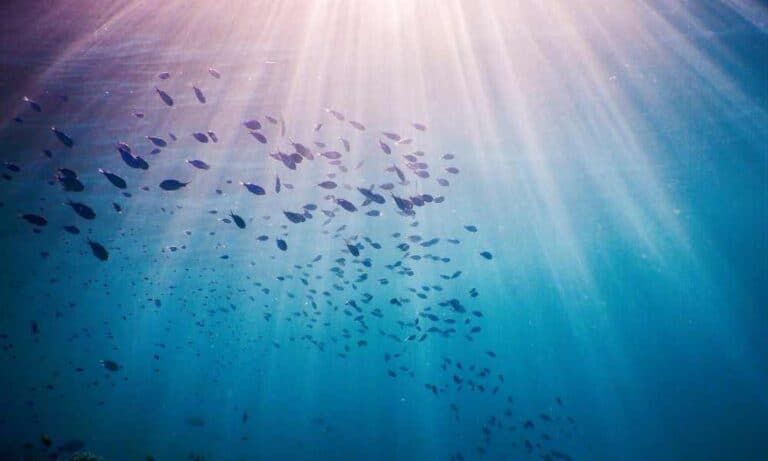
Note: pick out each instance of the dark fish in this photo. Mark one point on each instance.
(117, 207)
(254, 124)
(71, 184)
(486, 255)
(302, 150)
(338, 115)
(172, 184)
(254, 188)
(294, 217)
(159, 142)
(82, 209)
(471, 228)
(164, 96)
(371, 196)
(164, 75)
(72, 229)
(345, 143)
(239, 222)
(353, 249)
(419, 126)
(199, 164)
(35, 219)
(33, 105)
(116, 180)
(200, 137)
(332, 154)
(277, 184)
(317, 127)
(214, 73)
(327, 185)
(66, 140)
(281, 244)
(213, 136)
(101, 253)
(357, 125)
(384, 147)
(259, 137)
(346, 204)
(392, 136)
(199, 94)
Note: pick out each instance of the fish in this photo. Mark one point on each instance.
(239, 222)
(165, 97)
(201, 137)
(72, 229)
(346, 204)
(172, 184)
(34, 219)
(164, 75)
(385, 147)
(392, 136)
(83, 210)
(117, 207)
(327, 185)
(486, 255)
(157, 141)
(32, 104)
(353, 249)
(302, 150)
(294, 217)
(259, 137)
(332, 154)
(63, 137)
(277, 184)
(357, 125)
(199, 164)
(254, 188)
(214, 73)
(419, 126)
(254, 124)
(281, 244)
(371, 196)
(116, 180)
(345, 143)
(199, 94)
(99, 251)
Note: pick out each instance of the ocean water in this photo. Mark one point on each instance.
(579, 272)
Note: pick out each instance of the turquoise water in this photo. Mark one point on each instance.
(610, 158)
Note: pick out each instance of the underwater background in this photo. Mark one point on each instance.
(384, 230)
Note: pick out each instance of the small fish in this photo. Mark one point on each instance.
(172, 184)
(346, 204)
(32, 104)
(384, 147)
(213, 136)
(82, 209)
(35, 219)
(254, 124)
(294, 217)
(345, 143)
(165, 97)
(419, 126)
(201, 137)
(239, 222)
(353, 249)
(164, 75)
(254, 188)
(199, 164)
(63, 137)
(357, 125)
(214, 73)
(72, 229)
(327, 185)
(199, 94)
(281, 244)
(392, 136)
(116, 180)
(277, 184)
(259, 137)
(101, 253)
(486, 255)
(117, 207)
(159, 142)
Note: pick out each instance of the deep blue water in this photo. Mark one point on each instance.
(611, 156)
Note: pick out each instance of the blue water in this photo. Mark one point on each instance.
(611, 155)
